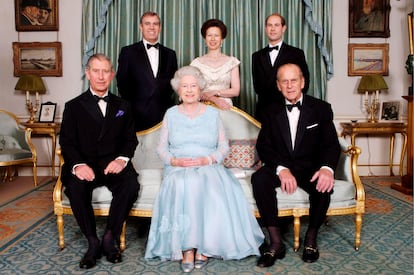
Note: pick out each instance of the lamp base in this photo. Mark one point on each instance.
(32, 109)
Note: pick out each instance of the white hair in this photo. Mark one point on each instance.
(186, 71)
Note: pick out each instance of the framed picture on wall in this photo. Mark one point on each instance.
(368, 59)
(41, 58)
(47, 112)
(369, 18)
(390, 111)
(36, 15)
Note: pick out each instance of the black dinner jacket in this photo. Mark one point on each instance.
(88, 137)
(149, 96)
(316, 142)
(264, 74)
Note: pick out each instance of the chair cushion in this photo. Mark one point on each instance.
(14, 154)
(8, 142)
(242, 154)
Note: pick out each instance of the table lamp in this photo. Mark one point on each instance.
(371, 85)
(31, 84)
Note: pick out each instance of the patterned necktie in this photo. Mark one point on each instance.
(104, 98)
(290, 106)
(156, 45)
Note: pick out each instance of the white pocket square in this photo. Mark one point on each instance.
(312, 126)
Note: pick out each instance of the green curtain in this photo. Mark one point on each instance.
(108, 25)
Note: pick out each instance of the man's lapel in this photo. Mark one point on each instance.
(88, 102)
(284, 122)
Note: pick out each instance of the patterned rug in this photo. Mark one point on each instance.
(22, 214)
(386, 246)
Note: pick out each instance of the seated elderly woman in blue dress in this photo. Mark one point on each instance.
(201, 210)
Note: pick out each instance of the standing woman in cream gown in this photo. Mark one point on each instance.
(219, 70)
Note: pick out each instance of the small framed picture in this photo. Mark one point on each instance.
(368, 59)
(36, 15)
(47, 112)
(369, 18)
(41, 58)
(390, 111)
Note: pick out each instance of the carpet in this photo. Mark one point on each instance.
(386, 246)
(23, 213)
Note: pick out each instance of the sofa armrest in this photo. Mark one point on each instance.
(57, 191)
(354, 152)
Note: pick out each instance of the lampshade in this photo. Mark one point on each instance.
(371, 83)
(30, 83)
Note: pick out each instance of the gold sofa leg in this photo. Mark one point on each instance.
(358, 226)
(122, 244)
(59, 221)
(35, 173)
(296, 230)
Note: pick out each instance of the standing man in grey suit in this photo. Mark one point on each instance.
(144, 73)
(98, 140)
(266, 61)
(299, 147)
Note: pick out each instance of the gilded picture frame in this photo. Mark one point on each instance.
(36, 15)
(40, 58)
(368, 59)
(369, 18)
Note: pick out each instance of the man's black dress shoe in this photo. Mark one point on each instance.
(268, 258)
(89, 259)
(114, 257)
(310, 254)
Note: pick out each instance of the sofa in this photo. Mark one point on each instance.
(242, 130)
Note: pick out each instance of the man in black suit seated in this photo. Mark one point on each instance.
(298, 146)
(144, 73)
(98, 140)
(266, 61)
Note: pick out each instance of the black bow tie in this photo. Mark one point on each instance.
(104, 98)
(156, 45)
(274, 48)
(290, 106)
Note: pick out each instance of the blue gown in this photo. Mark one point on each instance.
(200, 207)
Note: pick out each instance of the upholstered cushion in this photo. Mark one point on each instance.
(14, 154)
(343, 171)
(242, 154)
(146, 156)
(8, 142)
(343, 195)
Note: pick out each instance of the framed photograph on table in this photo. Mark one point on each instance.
(390, 111)
(41, 58)
(36, 15)
(47, 112)
(368, 59)
(369, 18)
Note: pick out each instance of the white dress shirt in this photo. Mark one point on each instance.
(274, 53)
(153, 56)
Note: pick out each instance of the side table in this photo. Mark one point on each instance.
(378, 128)
(46, 129)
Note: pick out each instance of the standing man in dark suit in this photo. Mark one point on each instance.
(98, 140)
(266, 61)
(298, 146)
(144, 73)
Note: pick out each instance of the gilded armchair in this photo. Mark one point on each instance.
(16, 146)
